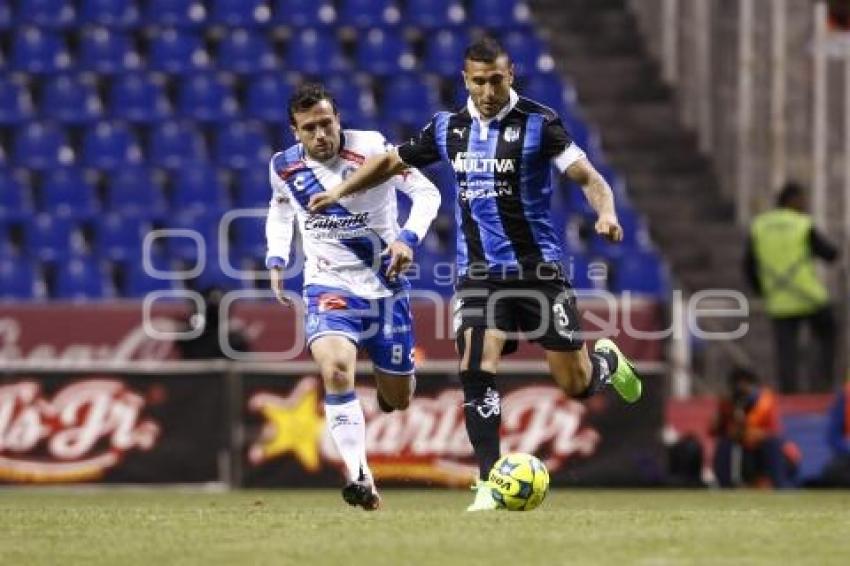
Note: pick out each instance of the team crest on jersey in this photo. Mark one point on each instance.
(331, 302)
(299, 183)
(511, 134)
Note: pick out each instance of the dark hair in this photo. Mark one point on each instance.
(790, 192)
(485, 50)
(306, 96)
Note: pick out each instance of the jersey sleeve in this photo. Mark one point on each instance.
(558, 145)
(425, 203)
(279, 223)
(421, 150)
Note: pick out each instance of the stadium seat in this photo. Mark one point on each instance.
(177, 51)
(68, 192)
(527, 53)
(369, 13)
(50, 14)
(304, 13)
(500, 14)
(20, 279)
(41, 145)
(36, 51)
(139, 97)
(546, 88)
(117, 14)
(586, 272)
(244, 51)
(314, 52)
(187, 249)
(434, 14)
(110, 145)
(15, 197)
(409, 99)
(242, 144)
(6, 20)
(206, 97)
(118, 237)
(136, 192)
(15, 102)
(241, 13)
(175, 13)
(199, 188)
(267, 98)
(137, 283)
(81, 278)
(176, 144)
(355, 102)
(51, 238)
(71, 99)
(253, 188)
(383, 52)
(641, 273)
(444, 53)
(248, 235)
(107, 51)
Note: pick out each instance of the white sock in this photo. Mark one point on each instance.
(347, 425)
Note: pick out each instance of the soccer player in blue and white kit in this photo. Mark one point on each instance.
(354, 287)
(510, 278)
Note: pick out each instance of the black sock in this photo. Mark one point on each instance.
(483, 416)
(604, 364)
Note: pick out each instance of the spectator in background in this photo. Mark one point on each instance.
(779, 264)
(837, 472)
(750, 449)
(207, 345)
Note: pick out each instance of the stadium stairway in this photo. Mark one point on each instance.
(598, 45)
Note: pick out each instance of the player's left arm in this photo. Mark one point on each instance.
(600, 196)
(425, 202)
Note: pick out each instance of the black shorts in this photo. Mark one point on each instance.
(538, 310)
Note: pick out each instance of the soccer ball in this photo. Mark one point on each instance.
(519, 482)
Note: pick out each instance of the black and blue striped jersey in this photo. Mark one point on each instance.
(502, 180)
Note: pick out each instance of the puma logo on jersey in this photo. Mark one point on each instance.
(459, 132)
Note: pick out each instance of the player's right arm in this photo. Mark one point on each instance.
(419, 151)
(279, 229)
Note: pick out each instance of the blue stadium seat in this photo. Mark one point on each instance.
(176, 144)
(177, 51)
(41, 145)
(199, 188)
(68, 192)
(267, 98)
(203, 223)
(314, 52)
(71, 99)
(409, 99)
(527, 53)
(641, 273)
(110, 13)
(500, 14)
(548, 89)
(244, 51)
(51, 14)
(51, 238)
(137, 283)
(176, 13)
(213, 276)
(304, 13)
(81, 278)
(6, 20)
(36, 51)
(384, 52)
(241, 13)
(20, 279)
(355, 102)
(444, 53)
(15, 102)
(252, 188)
(434, 14)
(15, 197)
(206, 97)
(242, 145)
(139, 97)
(369, 13)
(136, 192)
(107, 51)
(110, 145)
(118, 237)
(248, 235)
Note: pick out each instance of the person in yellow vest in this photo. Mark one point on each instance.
(779, 262)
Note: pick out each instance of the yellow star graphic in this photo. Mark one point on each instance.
(295, 427)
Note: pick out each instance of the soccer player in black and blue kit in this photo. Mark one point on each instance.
(510, 277)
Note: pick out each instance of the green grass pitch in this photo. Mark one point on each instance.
(166, 527)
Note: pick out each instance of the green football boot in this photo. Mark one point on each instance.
(483, 499)
(625, 380)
